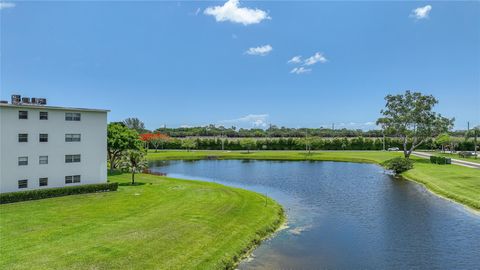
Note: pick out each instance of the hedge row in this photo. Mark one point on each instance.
(440, 160)
(11, 197)
(317, 143)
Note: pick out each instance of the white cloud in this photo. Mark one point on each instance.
(231, 11)
(312, 60)
(261, 50)
(295, 60)
(4, 5)
(421, 12)
(300, 70)
(253, 120)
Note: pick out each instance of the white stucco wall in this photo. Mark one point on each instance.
(92, 147)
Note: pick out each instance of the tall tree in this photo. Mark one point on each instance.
(248, 144)
(136, 124)
(156, 139)
(133, 161)
(119, 139)
(443, 139)
(189, 144)
(410, 116)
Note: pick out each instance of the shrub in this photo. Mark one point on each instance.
(398, 164)
(37, 194)
(440, 160)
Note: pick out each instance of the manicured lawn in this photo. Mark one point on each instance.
(161, 223)
(458, 183)
(353, 156)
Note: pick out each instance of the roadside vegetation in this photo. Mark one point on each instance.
(158, 223)
(456, 156)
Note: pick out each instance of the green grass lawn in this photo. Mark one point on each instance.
(353, 156)
(455, 182)
(458, 183)
(161, 223)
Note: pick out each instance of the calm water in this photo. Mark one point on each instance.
(347, 216)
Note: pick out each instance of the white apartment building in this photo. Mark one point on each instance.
(45, 146)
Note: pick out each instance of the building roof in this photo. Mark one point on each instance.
(32, 106)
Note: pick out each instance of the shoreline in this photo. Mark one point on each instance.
(229, 155)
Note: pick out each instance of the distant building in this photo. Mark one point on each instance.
(45, 146)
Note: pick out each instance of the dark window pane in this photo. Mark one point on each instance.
(23, 137)
(76, 178)
(43, 115)
(22, 114)
(43, 181)
(22, 183)
(68, 179)
(43, 137)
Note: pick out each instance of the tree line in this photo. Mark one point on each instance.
(310, 143)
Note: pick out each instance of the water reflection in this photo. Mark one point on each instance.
(347, 216)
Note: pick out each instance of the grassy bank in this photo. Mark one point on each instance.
(458, 183)
(161, 223)
(351, 156)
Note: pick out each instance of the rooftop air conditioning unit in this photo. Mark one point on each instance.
(16, 99)
(26, 100)
(34, 100)
(42, 101)
(3, 102)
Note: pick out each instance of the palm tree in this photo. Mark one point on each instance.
(134, 161)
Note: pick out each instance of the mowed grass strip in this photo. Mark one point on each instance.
(458, 183)
(349, 156)
(161, 223)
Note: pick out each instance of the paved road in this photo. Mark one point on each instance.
(454, 161)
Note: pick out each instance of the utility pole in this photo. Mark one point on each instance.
(383, 133)
(475, 141)
(306, 140)
(468, 131)
(223, 142)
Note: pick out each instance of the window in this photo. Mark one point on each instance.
(23, 137)
(23, 183)
(72, 116)
(43, 137)
(22, 161)
(72, 158)
(43, 160)
(22, 114)
(72, 137)
(72, 179)
(43, 181)
(43, 115)
(76, 179)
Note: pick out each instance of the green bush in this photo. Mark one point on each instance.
(440, 160)
(398, 164)
(37, 194)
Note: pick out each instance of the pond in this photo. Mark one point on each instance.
(347, 216)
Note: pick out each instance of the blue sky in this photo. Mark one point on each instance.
(196, 63)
